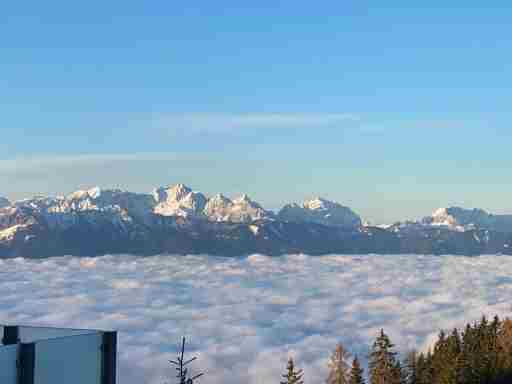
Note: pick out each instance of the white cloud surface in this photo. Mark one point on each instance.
(245, 316)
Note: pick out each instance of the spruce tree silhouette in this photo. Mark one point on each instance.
(383, 363)
(339, 367)
(356, 372)
(181, 367)
(292, 376)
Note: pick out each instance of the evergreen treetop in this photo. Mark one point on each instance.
(383, 364)
(356, 372)
(339, 367)
(292, 376)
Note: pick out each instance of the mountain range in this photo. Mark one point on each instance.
(175, 219)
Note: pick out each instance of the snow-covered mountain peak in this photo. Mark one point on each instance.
(239, 210)
(92, 193)
(219, 200)
(440, 212)
(461, 218)
(40, 203)
(317, 203)
(246, 201)
(441, 216)
(218, 208)
(241, 199)
(321, 211)
(452, 215)
(171, 193)
(178, 200)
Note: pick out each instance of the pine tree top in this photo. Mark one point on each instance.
(356, 372)
(292, 376)
(339, 366)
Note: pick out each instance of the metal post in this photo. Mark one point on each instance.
(11, 335)
(109, 358)
(26, 363)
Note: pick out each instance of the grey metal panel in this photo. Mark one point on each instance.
(75, 359)
(8, 370)
(31, 334)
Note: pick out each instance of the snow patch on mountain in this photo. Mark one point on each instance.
(92, 193)
(254, 229)
(320, 211)
(8, 234)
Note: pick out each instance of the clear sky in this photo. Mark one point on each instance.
(391, 108)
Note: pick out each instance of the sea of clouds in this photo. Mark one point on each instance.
(244, 316)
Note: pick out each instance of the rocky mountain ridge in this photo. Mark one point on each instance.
(176, 219)
(320, 211)
(462, 219)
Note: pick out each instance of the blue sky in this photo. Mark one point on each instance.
(393, 110)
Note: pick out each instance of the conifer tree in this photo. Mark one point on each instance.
(492, 345)
(421, 368)
(292, 376)
(504, 345)
(400, 373)
(468, 371)
(482, 354)
(411, 368)
(427, 376)
(455, 341)
(383, 362)
(339, 368)
(356, 372)
(482, 358)
(450, 356)
(438, 358)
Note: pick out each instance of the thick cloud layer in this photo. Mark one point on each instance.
(245, 316)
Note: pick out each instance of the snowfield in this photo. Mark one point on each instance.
(244, 316)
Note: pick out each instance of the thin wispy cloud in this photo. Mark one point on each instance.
(193, 123)
(244, 316)
(22, 163)
(27, 176)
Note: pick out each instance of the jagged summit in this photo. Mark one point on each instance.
(217, 208)
(219, 198)
(100, 221)
(317, 202)
(171, 193)
(461, 219)
(321, 211)
(179, 200)
(242, 199)
(239, 210)
(115, 205)
(92, 193)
